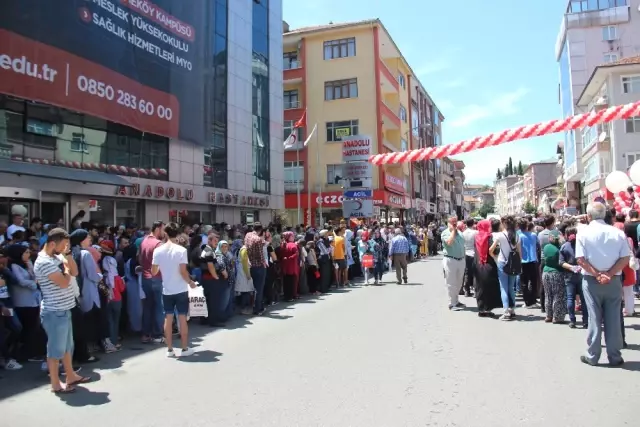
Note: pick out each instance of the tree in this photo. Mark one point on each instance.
(499, 174)
(528, 208)
(520, 169)
(510, 166)
(486, 209)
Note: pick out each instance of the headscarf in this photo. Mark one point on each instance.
(219, 247)
(554, 238)
(78, 237)
(482, 240)
(287, 237)
(348, 235)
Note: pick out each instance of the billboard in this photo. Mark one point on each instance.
(140, 63)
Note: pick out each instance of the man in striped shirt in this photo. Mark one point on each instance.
(53, 274)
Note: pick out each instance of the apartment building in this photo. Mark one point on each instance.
(501, 197)
(539, 175)
(610, 146)
(458, 189)
(352, 80)
(516, 197)
(592, 33)
(487, 197)
(446, 195)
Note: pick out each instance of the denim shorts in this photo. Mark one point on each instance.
(176, 303)
(341, 263)
(57, 325)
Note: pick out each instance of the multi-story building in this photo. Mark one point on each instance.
(516, 196)
(352, 80)
(501, 198)
(592, 33)
(186, 128)
(487, 197)
(539, 175)
(473, 189)
(458, 189)
(610, 146)
(447, 191)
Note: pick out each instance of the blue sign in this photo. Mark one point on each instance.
(358, 194)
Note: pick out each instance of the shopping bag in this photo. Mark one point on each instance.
(367, 261)
(197, 303)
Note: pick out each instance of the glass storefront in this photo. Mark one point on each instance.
(261, 147)
(115, 212)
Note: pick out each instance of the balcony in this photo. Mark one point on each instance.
(595, 139)
(388, 82)
(293, 72)
(292, 105)
(390, 119)
(292, 186)
(598, 18)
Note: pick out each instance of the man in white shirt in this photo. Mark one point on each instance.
(602, 251)
(170, 260)
(17, 225)
(469, 236)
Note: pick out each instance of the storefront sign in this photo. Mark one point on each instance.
(358, 194)
(394, 184)
(357, 208)
(357, 170)
(356, 148)
(394, 200)
(234, 199)
(158, 192)
(331, 199)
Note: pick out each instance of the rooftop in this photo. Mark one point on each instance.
(333, 26)
(600, 74)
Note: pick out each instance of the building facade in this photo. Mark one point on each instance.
(63, 155)
(458, 189)
(539, 175)
(516, 197)
(610, 146)
(447, 201)
(592, 33)
(501, 198)
(328, 74)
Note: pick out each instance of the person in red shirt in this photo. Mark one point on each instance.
(152, 311)
(290, 265)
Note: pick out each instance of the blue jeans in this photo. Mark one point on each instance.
(57, 325)
(507, 287)
(378, 270)
(114, 308)
(259, 275)
(573, 290)
(152, 309)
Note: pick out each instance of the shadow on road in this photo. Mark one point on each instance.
(14, 383)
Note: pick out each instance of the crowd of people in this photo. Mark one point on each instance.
(562, 266)
(66, 297)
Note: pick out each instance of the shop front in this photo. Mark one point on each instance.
(114, 200)
(322, 207)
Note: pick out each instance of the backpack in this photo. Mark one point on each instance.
(513, 267)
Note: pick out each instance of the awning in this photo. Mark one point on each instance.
(57, 172)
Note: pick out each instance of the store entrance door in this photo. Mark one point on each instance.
(55, 213)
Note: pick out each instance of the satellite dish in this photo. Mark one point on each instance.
(602, 137)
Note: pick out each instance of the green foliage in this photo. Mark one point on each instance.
(529, 208)
(499, 174)
(520, 170)
(510, 167)
(485, 210)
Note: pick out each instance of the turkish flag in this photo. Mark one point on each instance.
(302, 122)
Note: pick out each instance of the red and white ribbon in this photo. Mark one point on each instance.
(523, 132)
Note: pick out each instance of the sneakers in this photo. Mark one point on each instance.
(12, 365)
(187, 352)
(109, 347)
(158, 340)
(507, 315)
(458, 307)
(171, 354)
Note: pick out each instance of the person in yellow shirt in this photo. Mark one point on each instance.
(339, 257)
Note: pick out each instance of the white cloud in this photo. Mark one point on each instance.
(501, 105)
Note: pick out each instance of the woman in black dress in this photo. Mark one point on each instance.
(487, 287)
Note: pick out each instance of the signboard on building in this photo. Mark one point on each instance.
(357, 208)
(140, 63)
(358, 194)
(356, 148)
(357, 170)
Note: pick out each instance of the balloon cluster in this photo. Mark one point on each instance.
(626, 188)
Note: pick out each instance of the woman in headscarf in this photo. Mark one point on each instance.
(380, 254)
(553, 280)
(244, 284)
(303, 286)
(289, 262)
(363, 249)
(133, 282)
(224, 255)
(487, 286)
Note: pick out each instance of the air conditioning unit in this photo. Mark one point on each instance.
(602, 101)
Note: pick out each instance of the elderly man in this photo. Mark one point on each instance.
(602, 251)
(453, 262)
(398, 252)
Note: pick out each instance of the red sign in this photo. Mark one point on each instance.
(159, 192)
(32, 70)
(394, 184)
(334, 199)
(394, 200)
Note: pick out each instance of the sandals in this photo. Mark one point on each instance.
(82, 380)
(67, 390)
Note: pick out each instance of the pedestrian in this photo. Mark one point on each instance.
(573, 277)
(487, 286)
(255, 243)
(529, 276)
(152, 311)
(399, 249)
(469, 235)
(453, 262)
(553, 281)
(170, 260)
(602, 251)
(508, 244)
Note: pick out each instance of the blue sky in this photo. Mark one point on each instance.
(488, 65)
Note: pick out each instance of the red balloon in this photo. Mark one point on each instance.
(623, 194)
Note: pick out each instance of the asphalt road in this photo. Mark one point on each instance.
(372, 356)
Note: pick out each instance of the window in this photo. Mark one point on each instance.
(334, 174)
(632, 158)
(290, 98)
(403, 114)
(341, 89)
(610, 57)
(609, 32)
(401, 81)
(631, 84)
(591, 169)
(40, 128)
(436, 117)
(415, 121)
(77, 143)
(632, 125)
(261, 136)
(288, 128)
(403, 145)
(338, 130)
(293, 175)
(578, 6)
(290, 61)
(342, 48)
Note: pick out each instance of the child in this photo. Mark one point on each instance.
(116, 286)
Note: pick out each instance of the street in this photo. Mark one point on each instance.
(368, 356)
